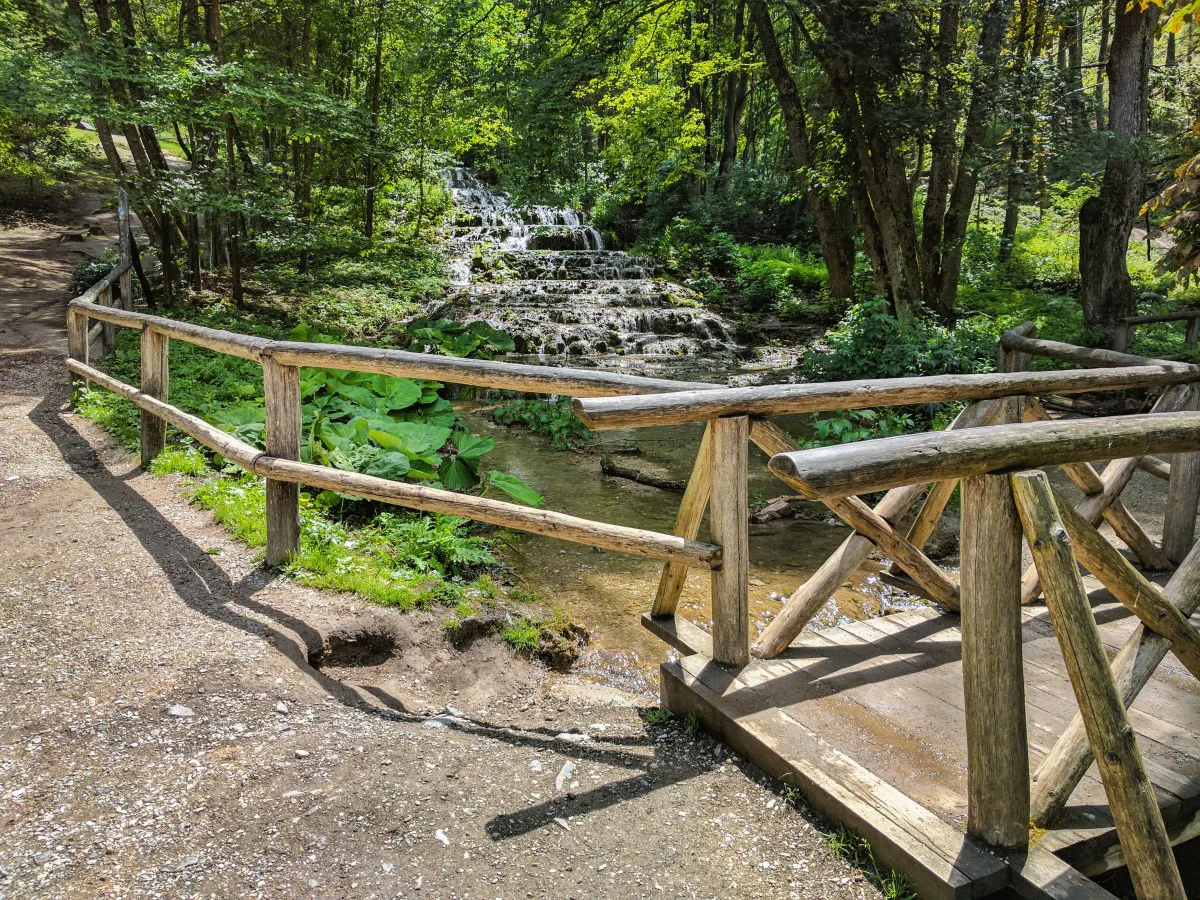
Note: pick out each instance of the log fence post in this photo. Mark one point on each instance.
(1193, 330)
(77, 339)
(1131, 796)
(729, 515)
(1183, 494)
(281, 391)
(155, 380)
(993, 675)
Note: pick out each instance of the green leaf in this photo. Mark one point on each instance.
(457, 475)
(472, 446)
(388, 465)
(515, 488)
(412, 438)
(242, 414)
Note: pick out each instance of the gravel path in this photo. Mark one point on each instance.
(163, 733)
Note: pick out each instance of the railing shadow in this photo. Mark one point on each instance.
(207, 588)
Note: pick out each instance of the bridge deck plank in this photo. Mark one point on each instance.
(882, 699)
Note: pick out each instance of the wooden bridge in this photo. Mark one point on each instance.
(939, 734)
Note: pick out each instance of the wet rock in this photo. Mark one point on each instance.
(943, 542)
(561, 643)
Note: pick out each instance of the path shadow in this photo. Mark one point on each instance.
(207, 588)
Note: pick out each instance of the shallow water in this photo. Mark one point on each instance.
(608, 591)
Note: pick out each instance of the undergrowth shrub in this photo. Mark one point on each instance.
(554, 420)
(870, 343)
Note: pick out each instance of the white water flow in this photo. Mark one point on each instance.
(545, 277)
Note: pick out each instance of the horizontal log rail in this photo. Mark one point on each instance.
(402, 363)
(1126, 325)
(683, 406)
(885, 463)
(1089, 357)
(496, 512)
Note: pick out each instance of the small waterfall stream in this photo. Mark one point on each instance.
(545, 277)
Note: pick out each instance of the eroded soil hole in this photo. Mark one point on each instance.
(357, 643)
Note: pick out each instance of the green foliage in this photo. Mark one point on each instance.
(858, 425)
(870, 343)
(523, 635)
(179, 460)
(657, 716)
(855, 849)
(554, 420)
(478, 340)
(90, 270)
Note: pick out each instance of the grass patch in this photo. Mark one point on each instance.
(657, 716)
(854, 849)
(179, 460)
(524, 636)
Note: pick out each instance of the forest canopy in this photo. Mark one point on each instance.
(898, 143)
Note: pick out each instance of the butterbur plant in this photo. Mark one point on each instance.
(380, 425)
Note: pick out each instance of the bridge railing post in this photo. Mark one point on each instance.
(1183, 496)
(155, 377)
(729, 515)
(281, 391)
(993, 676)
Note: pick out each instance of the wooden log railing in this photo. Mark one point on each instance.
(1125, 326)
(1000, 794)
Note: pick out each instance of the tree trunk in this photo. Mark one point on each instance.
(970, 160)
(833, 223)
(369, 205)
(1101, 61)
(1105, 222)
(941, 147)
(735, 103)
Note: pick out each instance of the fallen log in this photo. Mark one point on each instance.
(615, 470)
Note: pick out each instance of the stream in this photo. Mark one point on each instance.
(545, 276)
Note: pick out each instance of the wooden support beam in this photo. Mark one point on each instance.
(281, 390)
(879, 531)
(810, 597)
(729, 515)
(1131, 587)
(993, 674)
(1131, 797)
(155, 381)
(1088, 480)
(687, 525)
(1159, 468)
(851, 510)
(1132, 667)
(1183, 495)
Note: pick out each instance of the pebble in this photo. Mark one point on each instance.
(281, 708)
(302, 754)
(564, 775)
(441, 836)
(568, 737)
(179, 711)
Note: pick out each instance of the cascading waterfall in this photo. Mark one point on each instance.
(544, 275)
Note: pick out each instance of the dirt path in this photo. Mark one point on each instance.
(163, 732)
